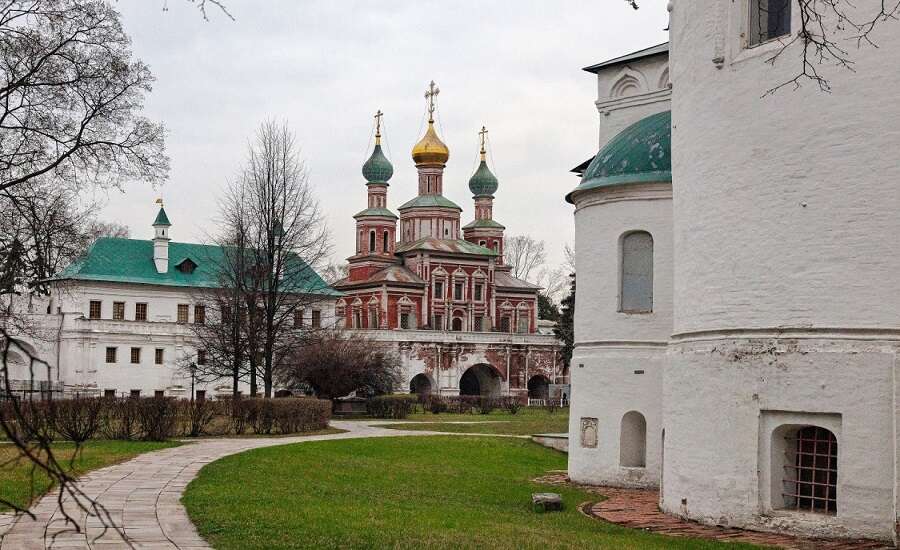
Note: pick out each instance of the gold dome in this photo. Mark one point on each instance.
(430, 149)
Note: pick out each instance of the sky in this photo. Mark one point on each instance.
(325, 67)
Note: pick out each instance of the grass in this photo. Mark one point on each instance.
(527, 421)
(16, 474)
(424, 492)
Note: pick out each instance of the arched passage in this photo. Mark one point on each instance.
(480, 380)
(457, 324)
(633, 441)
(539, 387)
(420, 385)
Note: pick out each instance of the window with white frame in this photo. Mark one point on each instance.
(768, 19)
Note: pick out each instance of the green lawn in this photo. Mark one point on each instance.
(527, 421)
(424, 492)
(15, 474)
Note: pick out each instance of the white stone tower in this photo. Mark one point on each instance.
(161, 239)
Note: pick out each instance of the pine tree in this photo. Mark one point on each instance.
(565, 327)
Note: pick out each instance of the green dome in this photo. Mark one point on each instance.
(483, 183)
(378, 168)
(641, 153)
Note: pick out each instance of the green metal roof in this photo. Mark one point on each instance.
(488, 224)
(641, 153)
(161, 218)
(376, 212)
(483, 182)
(378, 168)
(452, 246)
(131, 261)
(423, 201)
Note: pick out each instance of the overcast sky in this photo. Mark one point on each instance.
(326, 66)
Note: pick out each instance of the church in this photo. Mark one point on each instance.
(738, 321)
(438, 291)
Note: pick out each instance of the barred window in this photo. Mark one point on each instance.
(811, 471)
(118, 311)
(298, 318)
(316, 318)
(182, 313)
(158, 356)
(110, 355)
(201, 356)
(94, 309)
(135, 356)
(199, 314)
(140, 312)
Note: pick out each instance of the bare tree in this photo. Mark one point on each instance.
(71, 97)
(274, 213)
(525, 255)
(336, 363)
(828, 29)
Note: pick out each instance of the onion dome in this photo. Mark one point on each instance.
(483, 183)
(430, 150)
(378, 169)
(641, 153)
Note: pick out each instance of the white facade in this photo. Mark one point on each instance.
(786, 316)
(75, 345)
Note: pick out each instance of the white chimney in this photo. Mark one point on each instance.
(161, 227)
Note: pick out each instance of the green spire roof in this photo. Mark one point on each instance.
(161, 218)
(378, 168)
(483, 183)
(641, 153)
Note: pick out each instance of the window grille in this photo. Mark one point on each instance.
(158, 356)
(182, 313)
(118, 311)
(811, 470)
(140, 312)
(135, 356)
(199, 314)
(94, 310)
(110, 355)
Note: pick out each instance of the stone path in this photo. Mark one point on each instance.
(142, 497)
(639, 509)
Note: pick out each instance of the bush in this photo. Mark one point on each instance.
(197, 415)
(78, 419)
(391, 406)
(302, 414)
(158, 416)
(120, 418)
(486, 405)
(512, 404)
(437, 405)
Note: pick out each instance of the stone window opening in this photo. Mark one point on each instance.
(438, 290)
(110, 355)
(373, 318)
(316, 318)
(479, 292)
(357, 318)
(479, 324)
(768, 20)
(298, 318)
(135, 356)
(158, 356)
(505, 324)
(438, 322)
(95, 309)
(119, 311)
(372, 241)
(140, 312)
(199, 314)
(809, 482)
(201, 356)
(636, 273)
(458, 291)
(182, 313)
(457, 324)
(633, 441)
(385, 247)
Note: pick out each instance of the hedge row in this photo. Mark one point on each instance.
(161, 418)
(469, 404)
(391, 406)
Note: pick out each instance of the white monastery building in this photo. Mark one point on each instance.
(738, 319)
(118, 321)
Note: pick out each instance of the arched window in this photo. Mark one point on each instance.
(385, 248)
(810, 470)
(371, 241)
(633, 441)
(636, 291)
(457, 324)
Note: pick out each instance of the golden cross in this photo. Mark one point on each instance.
(430, 95)
(378, 116)
(483, 134)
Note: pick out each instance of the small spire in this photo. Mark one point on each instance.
(482, 134)
(431, 94)
(378, 116)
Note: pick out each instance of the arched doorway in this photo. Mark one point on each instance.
(481, 380)
(420, 385)
(457, 324)
(633, 441)
(539, 387)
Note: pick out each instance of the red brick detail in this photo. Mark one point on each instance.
(639, 509)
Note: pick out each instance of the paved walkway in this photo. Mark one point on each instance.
(639, 509)
(142, 497)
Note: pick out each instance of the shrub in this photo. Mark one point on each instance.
(391, 406)
(437, 405)
(486, 405)
(78, 419)
(302, 414)
(512, 404)
(120, 418)
(197, 415)
(157, 417)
